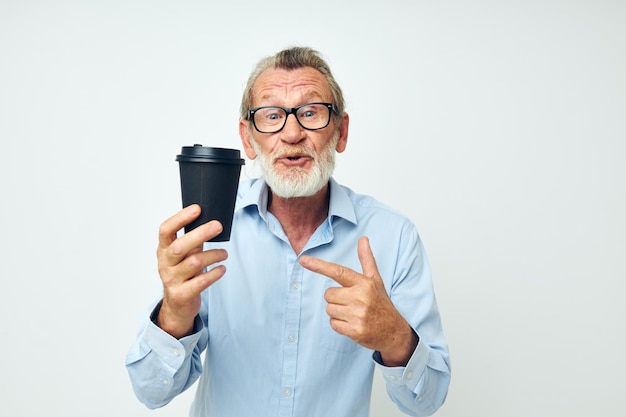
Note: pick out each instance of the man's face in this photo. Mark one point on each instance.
(296, 162)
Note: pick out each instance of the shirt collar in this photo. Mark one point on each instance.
(257, 193)
(340, 203)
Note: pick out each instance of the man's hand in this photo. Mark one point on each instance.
(181, 262)
(362, 310)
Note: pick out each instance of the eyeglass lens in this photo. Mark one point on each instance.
(311, 116)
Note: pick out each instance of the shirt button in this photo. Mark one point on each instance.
(175, 352)
(409, 375)
(420, 398)
(291, 338)
(287, 392)
(166, 381)
(295, 286)
(393, 378)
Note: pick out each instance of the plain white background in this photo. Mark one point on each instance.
(497, 126)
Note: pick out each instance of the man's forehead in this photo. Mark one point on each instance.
(274, 81)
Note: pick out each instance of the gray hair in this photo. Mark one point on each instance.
(291, 59)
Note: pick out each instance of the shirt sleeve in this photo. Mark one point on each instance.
(419, 388)
(160, 366)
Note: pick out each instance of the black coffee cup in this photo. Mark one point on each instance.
(210, 177)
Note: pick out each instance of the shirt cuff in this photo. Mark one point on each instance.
(408, 375)
(171, 350)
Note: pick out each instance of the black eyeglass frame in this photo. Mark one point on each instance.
(293, 110)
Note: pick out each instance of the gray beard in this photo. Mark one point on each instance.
(298, 182)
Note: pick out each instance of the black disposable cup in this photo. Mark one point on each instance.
(210, 177)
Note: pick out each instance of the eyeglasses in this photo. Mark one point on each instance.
(311, 116)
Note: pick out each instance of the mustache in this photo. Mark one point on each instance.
(294, 151)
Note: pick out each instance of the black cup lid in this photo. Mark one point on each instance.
(199, 153)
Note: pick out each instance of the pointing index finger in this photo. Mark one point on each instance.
(345, 277)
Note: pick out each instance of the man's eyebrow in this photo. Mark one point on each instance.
(308, 97)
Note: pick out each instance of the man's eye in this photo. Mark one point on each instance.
(271, 114)
(308, 112)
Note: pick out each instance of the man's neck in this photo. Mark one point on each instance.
(300, 216)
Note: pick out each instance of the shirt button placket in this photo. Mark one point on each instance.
(290, 344)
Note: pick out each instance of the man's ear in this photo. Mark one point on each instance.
(342, 142)
(246, 140)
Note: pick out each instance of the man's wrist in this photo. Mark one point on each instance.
(401, 355)
(176, 329)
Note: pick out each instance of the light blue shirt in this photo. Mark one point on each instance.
(269, 348)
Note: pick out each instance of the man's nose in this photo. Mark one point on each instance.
(292, 132)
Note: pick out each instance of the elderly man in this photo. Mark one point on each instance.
(317, 286)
